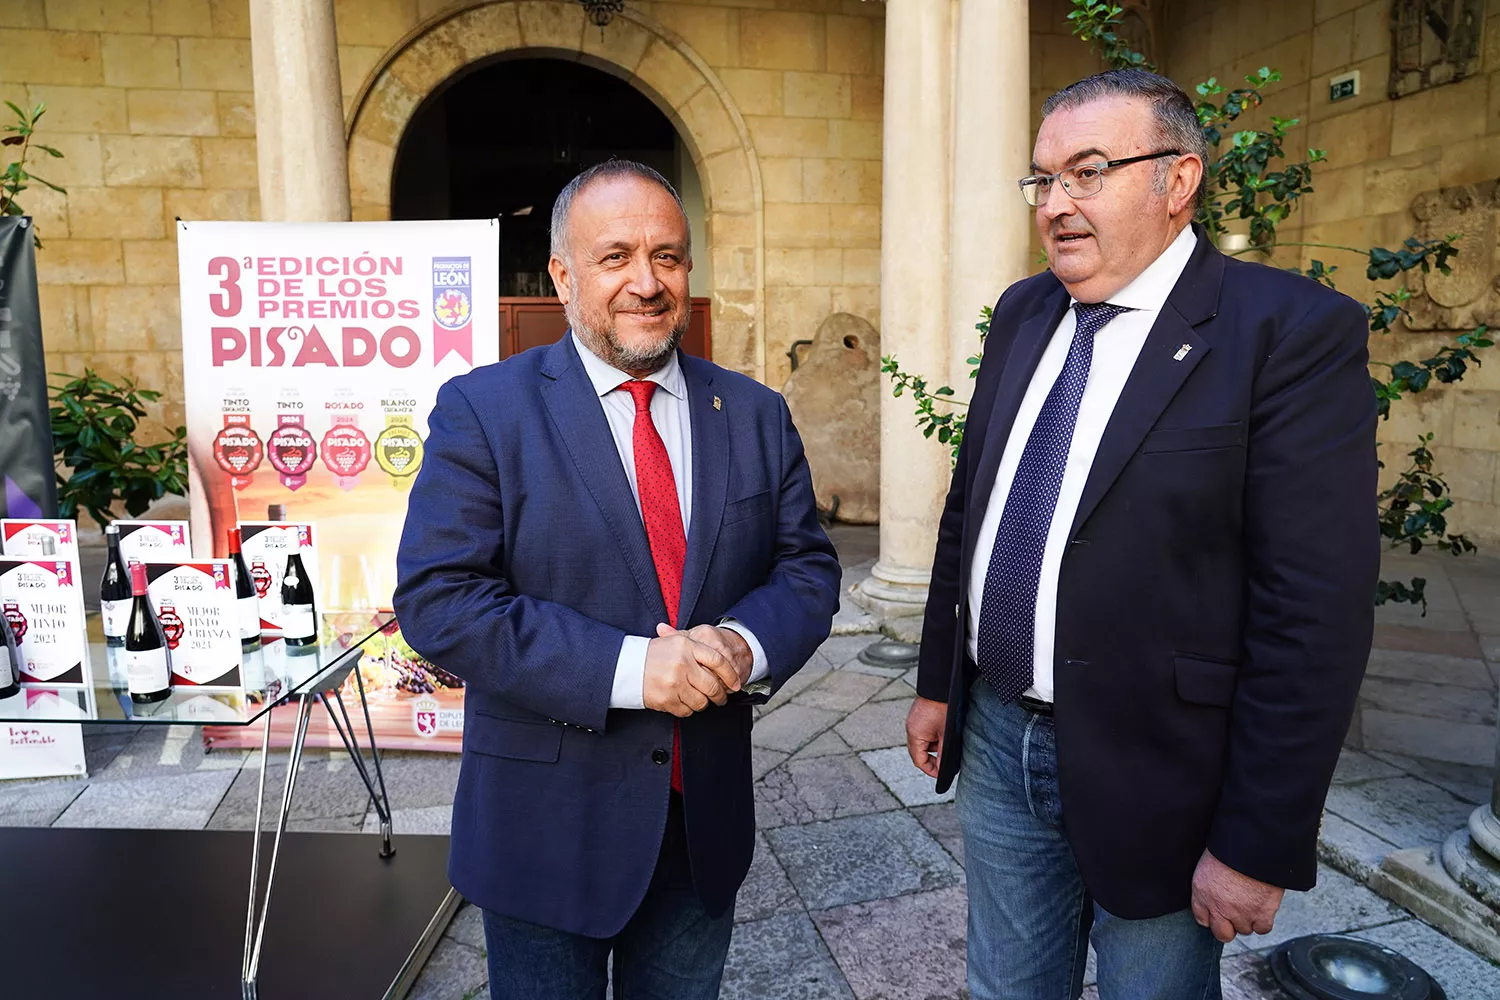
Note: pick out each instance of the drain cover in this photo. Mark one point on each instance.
(1339, 967)
(889, 653)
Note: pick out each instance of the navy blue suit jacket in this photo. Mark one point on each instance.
(1215, 603)
(524, 563)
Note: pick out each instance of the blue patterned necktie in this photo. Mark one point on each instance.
(1007, 614)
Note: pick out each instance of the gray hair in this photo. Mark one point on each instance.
(1176, 117)
(608, 170)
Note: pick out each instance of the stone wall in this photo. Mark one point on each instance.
(1382, 155)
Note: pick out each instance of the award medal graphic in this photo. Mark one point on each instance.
(171, 624)
(238, 449)
(346, 451)
(261, 577)
(16, 619)
(452, 308)
(398, 449)
(293, 450)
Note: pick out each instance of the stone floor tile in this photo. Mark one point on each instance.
(168, 750)
(1423, 737)
(841, 649)
(763, 761)
(37, 803)
(856, 860)
(104, 744)
(781, 958)
(876, 725)
(1336, 905)
(1249, 977)
(841, 691)
(454, 971)
(436, 820)
(942, 822)
(1489, 646)
(328, 787)
(1464, 780)
(1449, 702)
(1350, 848)
(1433, 668)
(1355, 765)
(416, 779)
(901, 687)
(467, 926)
(1462, 974)
(806, 791)
(857, 544)
(1458, 642)
(893, 766)
(829, 743)
(791, 727)
(766, 891)
(851, 619)
(883, 954)
(1406, 811)
(162, 802)
(812, 671)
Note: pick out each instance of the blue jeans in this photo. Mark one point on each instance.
(671, 949)
(1030, 916)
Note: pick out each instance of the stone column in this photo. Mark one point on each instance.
(299, 112)
(991, 224)
(913, 293)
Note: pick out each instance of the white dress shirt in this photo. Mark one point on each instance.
(1116, 348)
(669, 412)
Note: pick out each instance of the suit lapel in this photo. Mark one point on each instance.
(710, 478)
(576, 412)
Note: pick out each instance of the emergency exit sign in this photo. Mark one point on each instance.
(1343, 86)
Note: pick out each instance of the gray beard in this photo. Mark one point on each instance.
(607, 347)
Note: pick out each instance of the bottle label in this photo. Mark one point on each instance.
(116, 615)
(7, 669)
(249, 608)
(146, 670)
(297, 621)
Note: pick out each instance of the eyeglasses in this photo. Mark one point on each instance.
(1083, 180)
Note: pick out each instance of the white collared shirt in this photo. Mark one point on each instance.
(1116, 347)
(669, 412)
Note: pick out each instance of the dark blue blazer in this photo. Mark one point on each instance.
(1216, 599)
(524, 563)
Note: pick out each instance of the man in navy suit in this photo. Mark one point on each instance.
(1152, 597)
(616, 546)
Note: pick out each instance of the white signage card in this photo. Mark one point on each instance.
(42, 750)
(154, 541)
(266, 546)
(200, 616)
(43, 602)
(28, 538)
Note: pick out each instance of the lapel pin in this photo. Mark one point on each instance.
(1182, 352)
(718, 404)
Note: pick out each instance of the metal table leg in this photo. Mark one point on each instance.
(351, 743)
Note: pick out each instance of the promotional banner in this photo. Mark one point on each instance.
(25, 430)
(312, 355)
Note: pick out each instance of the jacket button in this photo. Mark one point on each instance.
(660, 756)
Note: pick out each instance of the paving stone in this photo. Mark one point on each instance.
(1423, 737)
(328, 788)
(1432, 668)
(862, 858)
(791, 727)
(1462, 974)
(37, 803)
(876, 725)
(781, 957)
(851, 619)
(881, 956)
(841, 649)
(1355, 765)
(766, 891)
(101, 747)
(1489, 645)
(763, 761)
(841, 691)
(893, 766)
(902, 687)
(1336, 905)
(453, 971)
(163, 802)
(829, 743)
(1350, 848)
(812, 671)
(1459, 642)
(1406, 811)
(1249, 977)
(942, 822)
(1446, 701)
(416, 779)
(1464, 780)
(436, 820)
(169, 750)
(806, 791)
(467, 926)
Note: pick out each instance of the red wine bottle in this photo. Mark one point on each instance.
(10, 666)
(245, 596)
(114, 591)
(147, 661)
(299, 617)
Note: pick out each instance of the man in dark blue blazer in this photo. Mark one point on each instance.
(1152, 596)
(616, 546)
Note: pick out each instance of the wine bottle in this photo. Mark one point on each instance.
(114, 591)
(244, 592)
(10, 666)
(276, 512)
(147, 661)
(299, 618)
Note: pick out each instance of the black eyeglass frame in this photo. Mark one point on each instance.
(1032, 180)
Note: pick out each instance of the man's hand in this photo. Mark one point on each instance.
(683, 676)
(1229, 903)
(924, 734)
(729, 644)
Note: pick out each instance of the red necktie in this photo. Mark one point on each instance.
(662, 512)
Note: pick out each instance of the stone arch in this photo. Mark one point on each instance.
(633, 47)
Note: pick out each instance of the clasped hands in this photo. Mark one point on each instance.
(686, 671)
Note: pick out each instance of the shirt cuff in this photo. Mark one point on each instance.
(629, 689)
(759, 669)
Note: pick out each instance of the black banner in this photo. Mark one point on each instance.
(25, 431)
